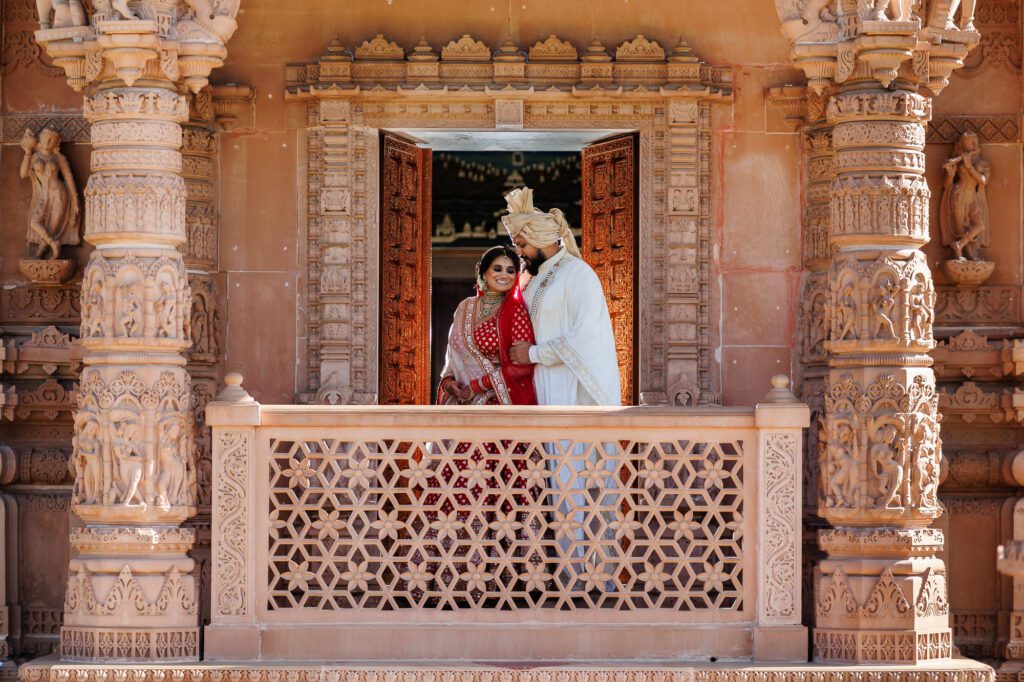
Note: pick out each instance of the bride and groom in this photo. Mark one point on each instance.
(548, 344)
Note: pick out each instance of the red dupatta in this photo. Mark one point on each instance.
(518, 378)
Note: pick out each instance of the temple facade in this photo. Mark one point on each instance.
(234, 236)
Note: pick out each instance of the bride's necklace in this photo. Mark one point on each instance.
(490, 302)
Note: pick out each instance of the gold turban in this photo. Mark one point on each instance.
(538, 228)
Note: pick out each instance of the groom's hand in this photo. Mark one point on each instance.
(520, 353)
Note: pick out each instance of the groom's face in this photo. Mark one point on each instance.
(531, 255)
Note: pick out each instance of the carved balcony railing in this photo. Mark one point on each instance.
(417, 533)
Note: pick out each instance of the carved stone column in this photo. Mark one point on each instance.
(131, 592)
(198, 152)
(881, 592)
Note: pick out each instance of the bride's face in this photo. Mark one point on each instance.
(500, 275)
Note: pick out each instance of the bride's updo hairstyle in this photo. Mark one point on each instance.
(491, 255)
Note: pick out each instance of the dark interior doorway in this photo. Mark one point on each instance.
(467, 204)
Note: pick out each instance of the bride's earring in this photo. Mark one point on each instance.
(481, 283)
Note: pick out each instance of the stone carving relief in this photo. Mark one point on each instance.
(232, 498)
(205, 323)
(779, 580)
(964, 223)
(54, 216)
(127, 596)
(882, 453)
(948, 129)
(955, 306)
(1000, 46)
(132, 447)
(136, 297)
(881, 303)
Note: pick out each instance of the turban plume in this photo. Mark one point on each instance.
(538, 228)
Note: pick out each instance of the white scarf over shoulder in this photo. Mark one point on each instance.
(575, 351)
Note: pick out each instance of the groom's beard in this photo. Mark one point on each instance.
(533, 264)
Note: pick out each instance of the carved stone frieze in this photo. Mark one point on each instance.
(120, 203)
(141, 297)
(981, 305)
(948, 129)
(967, 672)
(882, 456)
(880, 304)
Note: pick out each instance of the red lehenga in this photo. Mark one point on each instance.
(479, 355)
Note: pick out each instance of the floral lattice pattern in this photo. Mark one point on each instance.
(505, 525)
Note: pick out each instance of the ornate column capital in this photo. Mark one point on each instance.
(840, 41)
(180, 41)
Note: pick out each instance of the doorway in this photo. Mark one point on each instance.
(442, 198)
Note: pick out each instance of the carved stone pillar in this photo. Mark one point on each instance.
(880, 594)
(131, 592)
(818, 158)
(198, 156)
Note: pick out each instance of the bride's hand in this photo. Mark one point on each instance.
(464, 394)
(520, 353)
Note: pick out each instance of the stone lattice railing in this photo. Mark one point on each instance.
(505, 533)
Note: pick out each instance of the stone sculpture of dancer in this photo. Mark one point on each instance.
(54, 212)
(963, 214)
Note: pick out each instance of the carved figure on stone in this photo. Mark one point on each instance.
(87, 465)
(200, 339)
(819, 18)
(129, 308)
(963, 213)
(925, 472)
(209, 17)
(54, 211)
(888, 468)
(846, 313)
(840, 474)
(164, 306)
(113, 10)
(883, 306)
(130, 464)
(947, 21)
(922, 313)
(883, 10)
(171, 483)
(60, 13)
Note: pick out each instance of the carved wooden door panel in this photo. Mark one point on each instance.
(610, 240)
(405, 274)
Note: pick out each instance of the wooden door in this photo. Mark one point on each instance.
(610, 241)
(405, 274)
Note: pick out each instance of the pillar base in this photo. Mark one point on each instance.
(99, 644)
(906, 647)
(131, 596)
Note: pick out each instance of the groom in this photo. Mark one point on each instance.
(576, 364)
(575, 350)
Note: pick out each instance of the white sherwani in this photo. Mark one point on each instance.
(576, 364)
(575, 357)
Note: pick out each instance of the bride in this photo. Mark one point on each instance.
(478, 369)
